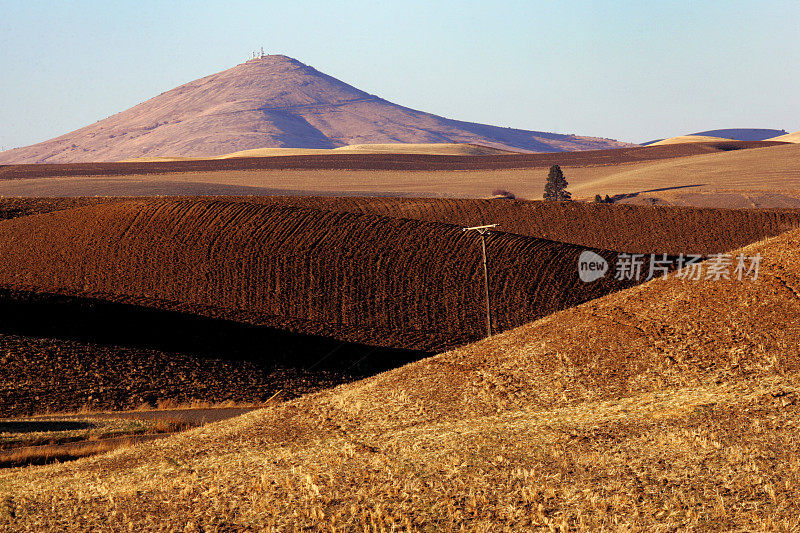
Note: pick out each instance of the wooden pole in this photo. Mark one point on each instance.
(482, 231)
(486, 285)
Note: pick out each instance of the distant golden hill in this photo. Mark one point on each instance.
(388, 148)
(788, 138)
(689, 139)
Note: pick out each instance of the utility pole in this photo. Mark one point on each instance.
(482, 231)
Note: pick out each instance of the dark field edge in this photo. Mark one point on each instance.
(92, 320)
(64, 353)
(380, 161)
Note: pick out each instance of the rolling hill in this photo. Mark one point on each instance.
(273, 101)
(689, 139)
(671, 405)
(393, 148)
(764, 177)
(629, 228)
(788, 138)
(413, 175)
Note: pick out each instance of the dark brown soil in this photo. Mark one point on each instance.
(361, 278)
(627, 228)
(60, 354)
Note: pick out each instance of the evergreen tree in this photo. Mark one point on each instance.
(556, 187)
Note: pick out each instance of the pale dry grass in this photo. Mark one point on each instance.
(391, 148)
(788, 138)
(60, 440)
(690, 139)
(670, 406)
(773, 168)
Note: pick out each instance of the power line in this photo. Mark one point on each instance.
(483, 231)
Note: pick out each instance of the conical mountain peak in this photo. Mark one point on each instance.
(273, 101)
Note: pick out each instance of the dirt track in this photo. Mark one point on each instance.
(380, 161)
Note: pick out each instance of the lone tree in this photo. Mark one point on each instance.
(556, 187)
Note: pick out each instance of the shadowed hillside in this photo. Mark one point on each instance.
(743, 134)
(60, 353)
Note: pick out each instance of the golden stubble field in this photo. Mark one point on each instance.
(671, 405)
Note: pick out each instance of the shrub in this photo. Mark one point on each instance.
(502, 193)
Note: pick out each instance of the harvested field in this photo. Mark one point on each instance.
(44, 440)
(392, 148)
(348, 161)
(672, 405)
(689, 139)
(715, 175)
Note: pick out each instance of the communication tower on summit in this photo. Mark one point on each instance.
(255, 54)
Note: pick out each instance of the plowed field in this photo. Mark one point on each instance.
(358, 277)
(671, 406)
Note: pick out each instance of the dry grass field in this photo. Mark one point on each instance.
(789, 137)
(391, 148)
(689, 139)
(722, 174)
(671, 405)
(747, 178)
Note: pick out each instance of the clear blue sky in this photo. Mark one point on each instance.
(634, 71)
